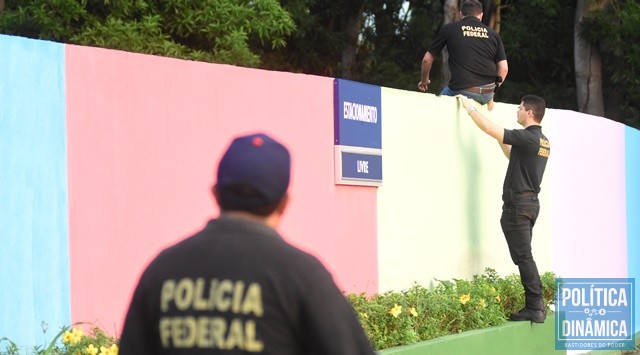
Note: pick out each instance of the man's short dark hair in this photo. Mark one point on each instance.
(471, 8)
(243, 197)
(535, 104)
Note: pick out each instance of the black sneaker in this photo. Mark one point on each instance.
(533, 315)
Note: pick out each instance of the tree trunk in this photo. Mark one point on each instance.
(496, 15)
(451, 14)
(353, 23)
(488, 11)
(1, 5)
(588, 63)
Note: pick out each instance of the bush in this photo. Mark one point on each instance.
(401, 318)
(74, 342)
(389, 319)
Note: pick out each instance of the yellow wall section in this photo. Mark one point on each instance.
(440, 203)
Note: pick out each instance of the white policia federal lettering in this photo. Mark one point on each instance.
(205, 331)
(472, 31)
(544, 148)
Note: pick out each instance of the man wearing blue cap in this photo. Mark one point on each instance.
(237, 287)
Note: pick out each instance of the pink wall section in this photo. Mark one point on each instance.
(144, 136)
(589, 215)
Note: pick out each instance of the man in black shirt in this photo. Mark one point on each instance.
(528, 151)
(477, 59)
(237, 287)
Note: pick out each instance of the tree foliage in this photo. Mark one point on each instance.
(316, 46)
(390, 44)
(394, 39)
(379, 42)
(207, 30)
(616, 32)
(538, 39)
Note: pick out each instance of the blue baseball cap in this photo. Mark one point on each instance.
(259, 162)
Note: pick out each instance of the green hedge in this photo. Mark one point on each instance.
(400, 318)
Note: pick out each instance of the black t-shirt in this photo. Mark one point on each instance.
(474, 49)
(529, 154)
(237, 287)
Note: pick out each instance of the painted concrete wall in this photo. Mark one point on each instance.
(440, 204)
(87, 202)
(145, 135)
(632, 170)
(589, 197)
(34, 269)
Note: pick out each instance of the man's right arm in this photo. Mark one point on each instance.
(427, 62)
(506, 149)
(502, 69)
(486, 125)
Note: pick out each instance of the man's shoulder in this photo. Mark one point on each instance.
(534, 128)
(231, 241)
(453, 26)
(470, 20)
(530, 134)
(265, 240)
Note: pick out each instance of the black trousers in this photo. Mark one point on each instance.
(519, 214)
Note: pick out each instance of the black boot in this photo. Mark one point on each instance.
(534, 315)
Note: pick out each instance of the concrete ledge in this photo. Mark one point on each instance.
(522, 338)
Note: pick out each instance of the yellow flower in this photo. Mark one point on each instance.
(482, 304)
(412, 311)
(364, 315)
(498, 298)
(66, 338)
(395, 311)
(91, 350)
(73, 336)
(112, 350)
(465, 298)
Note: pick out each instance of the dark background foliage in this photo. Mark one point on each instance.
(379, 42)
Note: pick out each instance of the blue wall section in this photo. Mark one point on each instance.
(33, 191)
(632, 166)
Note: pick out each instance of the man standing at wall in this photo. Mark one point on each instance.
(528, 151)
(477, 59)
(237, 287)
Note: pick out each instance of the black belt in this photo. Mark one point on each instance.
(525, 194)
(511, 196)
(481, 90)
